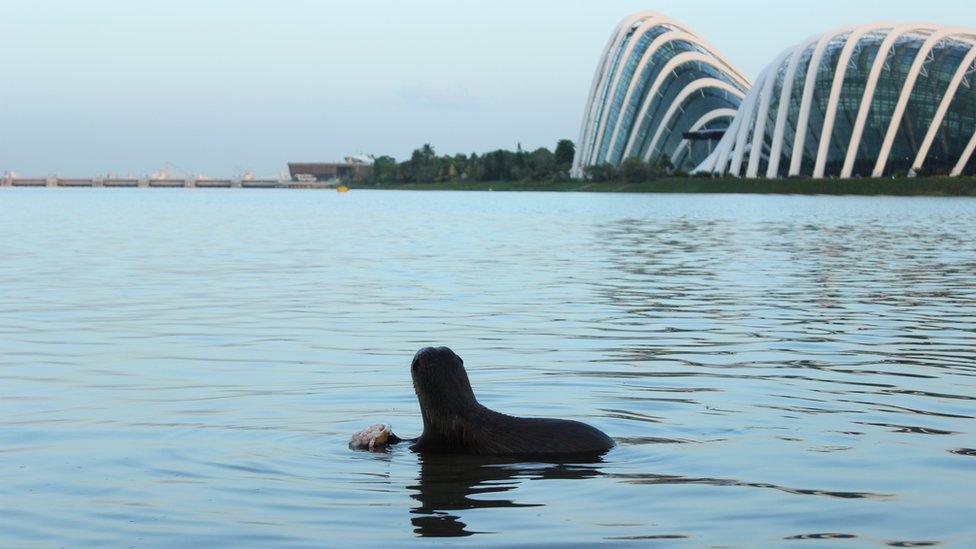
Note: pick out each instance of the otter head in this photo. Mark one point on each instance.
(442, 386)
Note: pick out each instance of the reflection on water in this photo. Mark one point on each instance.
(458, 483)
(185, 368)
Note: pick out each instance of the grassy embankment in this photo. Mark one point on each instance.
(922, 186)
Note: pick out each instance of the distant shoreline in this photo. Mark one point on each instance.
(922, 186)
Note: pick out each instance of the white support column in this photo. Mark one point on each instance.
(596, 119)
(759, 130)
(590, 100)
(700, 123)
(741, 136)
(716, 162)
(748, 113)
(836, 87)
(618, 74)
(655, 46)
(799, 140)
(728, 142)
(964, 159)
(923, 151)
(600, 80)
(868, 98)
(785, 98)
(584, 150)
(906, 94)
(694, 87)
(672, 65)
(707, 165)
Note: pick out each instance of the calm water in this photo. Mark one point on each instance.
(185, 367)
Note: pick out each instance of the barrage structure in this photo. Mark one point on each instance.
(167, 183)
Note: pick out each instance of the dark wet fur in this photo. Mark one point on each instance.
(455, 423)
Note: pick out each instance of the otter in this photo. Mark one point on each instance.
(456, 423)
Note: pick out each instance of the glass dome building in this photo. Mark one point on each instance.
(656, 82)
(861, 101)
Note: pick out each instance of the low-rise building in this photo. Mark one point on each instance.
(353, 169)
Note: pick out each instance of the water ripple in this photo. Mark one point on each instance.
(185, 368)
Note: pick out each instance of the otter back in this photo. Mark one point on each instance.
(491, 433)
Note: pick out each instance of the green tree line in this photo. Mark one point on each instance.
(426, 166)
(540, 165)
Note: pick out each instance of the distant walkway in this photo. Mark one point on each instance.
(168, 183)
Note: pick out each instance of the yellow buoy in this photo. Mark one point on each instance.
(342, 189)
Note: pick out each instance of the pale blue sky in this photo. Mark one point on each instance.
(220, 86)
